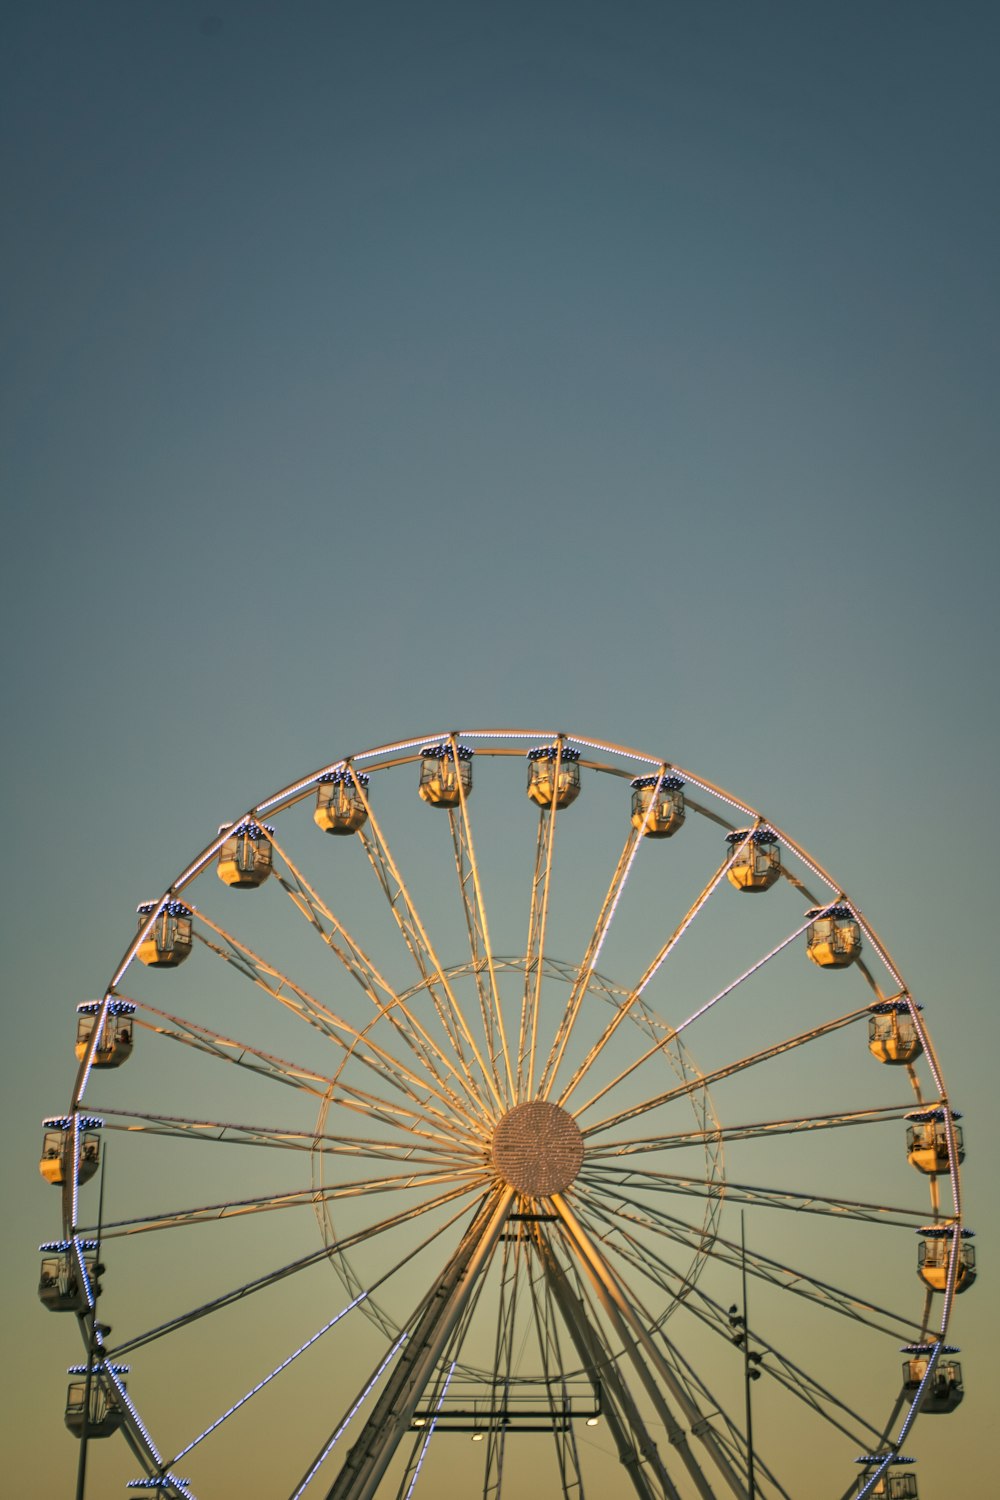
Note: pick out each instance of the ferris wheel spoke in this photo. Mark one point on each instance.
(757, 1130)
(352, 1041)
(373, 1107)
(652, 969)
(422, 950)
(702, 1081)
(796, 1281)
(746, 1195)
(219, 1132)
(230, 1050)
(474, 906)
(266, 1380)
(652, 1369)
(538, 915)
(294, 1198)
(596, 942)
(415, 936)
(798, 1381)
(734, 984)
(308, 1344)
(420, 1121)
(340, 1245)
(431, 1328)
(673, 1033)
(408, 1483)
(361, 968)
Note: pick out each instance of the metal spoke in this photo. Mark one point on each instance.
(302, 1263)
(652, 969)
(596, 943)
(709, 1312)
(535, 950)
(788, 1278)
(290, 1359)
(415, 936)
(796, 1380)
(361, 968)
(474, 906)
(637, 1452)
(758, 1130)
(233, 1133)
(352, 1041)
(294, 1198)
(243, 1055)
(409, 1481)
(656, 1375)
(706, 1080)
(438, 1316)
(618, 1179)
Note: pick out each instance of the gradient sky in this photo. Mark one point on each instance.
(626, 367)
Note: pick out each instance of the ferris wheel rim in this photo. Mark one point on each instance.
(375, 760)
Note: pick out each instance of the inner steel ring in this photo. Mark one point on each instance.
(537, 1148)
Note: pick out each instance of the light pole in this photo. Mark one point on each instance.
(739, 1323)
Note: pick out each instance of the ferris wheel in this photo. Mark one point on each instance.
(498, 1143)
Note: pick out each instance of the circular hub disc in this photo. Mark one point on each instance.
(537, 1148)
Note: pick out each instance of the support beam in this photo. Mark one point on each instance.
(637, 1337)
(637, 1452)
(372, 1453)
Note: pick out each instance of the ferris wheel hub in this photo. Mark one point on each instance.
(537, 1148)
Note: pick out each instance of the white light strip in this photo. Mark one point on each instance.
(713, 791)
(88, 1064)
(126, 1400)
(139, 938)
(877, 1475)
(425, 739)
(268, 1378)
(162, 1482)
(911, 1415)
(199, 864)
(82, 1271)
(618, 894)
(646, 760)
(736, 982)
(695, 910)
(374, 1381)
(809, 862)
(430, 1432)
(508, 734)
(74, 1170)
(299, 786)
(900, 981)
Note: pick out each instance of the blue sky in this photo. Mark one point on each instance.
(622, 368)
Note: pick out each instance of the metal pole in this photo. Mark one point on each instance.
(751, 1480)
